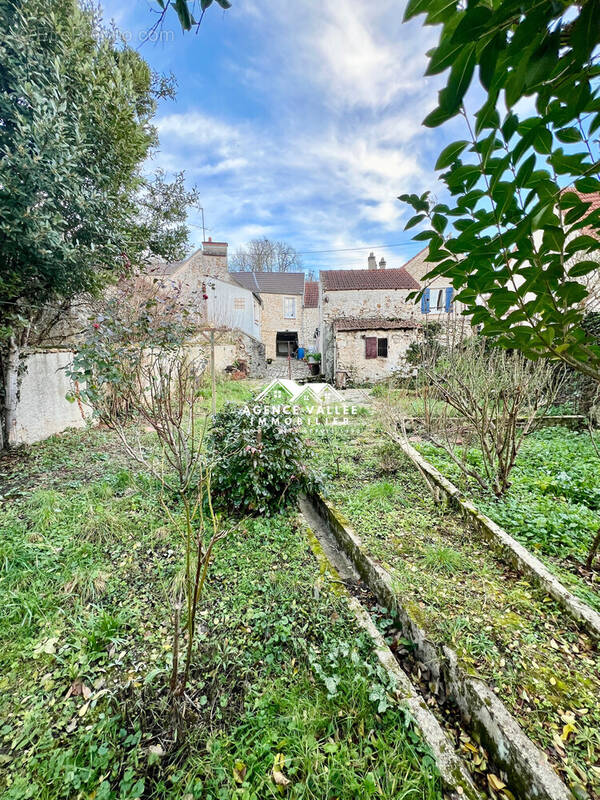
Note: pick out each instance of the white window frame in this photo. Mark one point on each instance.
(292, 301)
(239, 303)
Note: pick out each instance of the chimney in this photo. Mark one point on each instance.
(214, 259)
(211, 248)
(382, 264)
(372, 261)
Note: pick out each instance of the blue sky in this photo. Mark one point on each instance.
(298, 120)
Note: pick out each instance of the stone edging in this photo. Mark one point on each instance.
(524, 767)
(454, 774)
(512, 551)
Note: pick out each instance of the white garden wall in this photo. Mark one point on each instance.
(43, 408)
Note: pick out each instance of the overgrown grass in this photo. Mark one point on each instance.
(503, 629)
(281, 674)
(553, 504)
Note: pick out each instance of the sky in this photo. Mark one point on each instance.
(298, 120)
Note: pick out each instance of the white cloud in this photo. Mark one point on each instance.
(334, 132)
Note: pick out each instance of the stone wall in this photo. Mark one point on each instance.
(43, 408)
(350, 354)
(365, 304)
(310, 325)
(273, 320)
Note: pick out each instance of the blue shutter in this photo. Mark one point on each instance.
(449, 296)
(425, 302)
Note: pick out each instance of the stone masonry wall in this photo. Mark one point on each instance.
(350, 353)
(273, 320)
(310, 325)
(368, 303)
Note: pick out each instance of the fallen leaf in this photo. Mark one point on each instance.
(278, 764)
(239, 771)
(567, 731)
(495, 783)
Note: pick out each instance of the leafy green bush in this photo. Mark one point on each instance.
(259, 460)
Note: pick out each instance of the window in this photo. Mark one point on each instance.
(375, 348)
(289, 307)
(239, 303)
(437, 301)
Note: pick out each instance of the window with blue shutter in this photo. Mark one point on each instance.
(425, 302)
(449, 296)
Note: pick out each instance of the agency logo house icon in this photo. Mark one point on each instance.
(282, 390)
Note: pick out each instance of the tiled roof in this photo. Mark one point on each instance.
(271, 282)
(341, 279)
(311, 294)
(373, 324)
(594, 200)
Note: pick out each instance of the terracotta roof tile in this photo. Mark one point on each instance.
(311, 294)
(344, 279)
(374, 323)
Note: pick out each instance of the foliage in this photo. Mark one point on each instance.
(259, 460)
(430, 347)
(163, 207)
(553, 504)
(267, 614)
(485, 398)
(76, 107)
(265, 255)
(186, 10)
(517, 246)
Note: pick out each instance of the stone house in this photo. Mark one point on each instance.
(206, 283)
(282, 296)
(371, 349)
(355, 307)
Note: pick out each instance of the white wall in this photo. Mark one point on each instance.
(43, 408)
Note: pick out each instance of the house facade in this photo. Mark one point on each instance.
(282, 320)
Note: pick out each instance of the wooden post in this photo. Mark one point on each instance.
(289, 361)
(212, 373)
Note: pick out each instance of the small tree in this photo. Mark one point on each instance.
(137, 355)
(483, 397)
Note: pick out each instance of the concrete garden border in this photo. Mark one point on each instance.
(510, 550)
(524, 767)
(453, 772)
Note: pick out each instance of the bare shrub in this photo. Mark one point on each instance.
(138, 360)
(484, 398)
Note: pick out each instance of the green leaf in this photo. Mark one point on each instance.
(437, 117)
(415, 7)
(583, 268)
(587, 185)
(414, 221)
(459, 79)
(450, 153)
(568, 135)
(542, 141)
(584, 35)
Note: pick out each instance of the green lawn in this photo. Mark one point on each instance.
(503, 629)
(281, 673)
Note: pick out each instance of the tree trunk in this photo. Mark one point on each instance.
(11, 392)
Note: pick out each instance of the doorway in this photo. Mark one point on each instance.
(282, 339)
